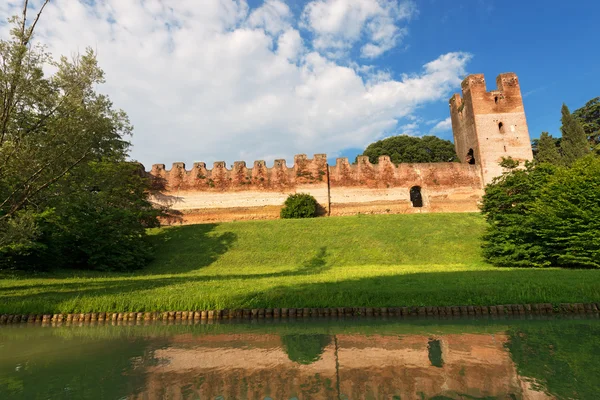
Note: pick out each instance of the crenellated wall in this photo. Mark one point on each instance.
(223, 194)
(385, 188)
(487, 127)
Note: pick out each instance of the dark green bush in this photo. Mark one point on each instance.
(299, 205)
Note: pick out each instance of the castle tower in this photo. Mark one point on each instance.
(488, 126)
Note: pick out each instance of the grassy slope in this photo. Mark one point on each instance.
(380, 260)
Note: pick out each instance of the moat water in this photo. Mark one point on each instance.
(552, 358)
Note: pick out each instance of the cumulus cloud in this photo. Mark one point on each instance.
(338, 25)
(442, 126)
(223, 81)
(274, 16)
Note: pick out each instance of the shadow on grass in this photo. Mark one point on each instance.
(182, 249)
(453, 288)
(64, 290)
(178, 249)
(416, 289)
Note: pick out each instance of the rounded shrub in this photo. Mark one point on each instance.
(299, 205)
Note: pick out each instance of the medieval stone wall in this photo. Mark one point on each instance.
(222, 194)
(241, 193)
(487, 126)
(385, 188)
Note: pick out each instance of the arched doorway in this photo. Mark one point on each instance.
(415, 196)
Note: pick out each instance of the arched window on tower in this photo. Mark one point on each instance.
(501, 127)
(470, 159)
(415, 196)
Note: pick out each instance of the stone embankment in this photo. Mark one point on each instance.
(278, 313)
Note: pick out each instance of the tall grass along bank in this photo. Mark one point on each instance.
(359, 261)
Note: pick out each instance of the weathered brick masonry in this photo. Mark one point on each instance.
(486, 125)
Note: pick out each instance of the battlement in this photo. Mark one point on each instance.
(385, 174)
(490, 125)
(240, 177)
(477, 99)
(487, 126)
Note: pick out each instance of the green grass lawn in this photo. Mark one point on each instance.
(375, 260)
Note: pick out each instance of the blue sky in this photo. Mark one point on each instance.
(265, 79)
(549, 44)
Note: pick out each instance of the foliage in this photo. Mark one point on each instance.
(305, 349)
(574, 144)
(510, 239)
(410, 149)
(299, 205)
(67, 196)
(547, 150)
(544, 215)
(509, 163)
(566, 215)
(589, 118)
(99, 221)
(561, 359)
(369, 261)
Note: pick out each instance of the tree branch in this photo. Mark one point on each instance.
(35, 175)
(25, 3)
(18, 206)
(35, 21)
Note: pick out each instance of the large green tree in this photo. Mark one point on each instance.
(410, 149)
(566, 215)
(63, 163)
(589, 118)
(508, 202)
(547, 151)
(544, 215)
(574, 143)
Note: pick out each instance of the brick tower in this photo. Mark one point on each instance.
(490, 125)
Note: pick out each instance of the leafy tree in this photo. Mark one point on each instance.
(574, 144)
(589, 118)
(566, 215)
(547, 151)
(410, 149)
(544, 215)
(511, 238)
(67, 196)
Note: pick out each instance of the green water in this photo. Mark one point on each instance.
(306, 359)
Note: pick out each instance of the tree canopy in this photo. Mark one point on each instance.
(574, 143)
(68, 198)
(544, 215)
(410, 149)
(589, 118)
(547, 150)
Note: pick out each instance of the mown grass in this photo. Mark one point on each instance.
(376, 260)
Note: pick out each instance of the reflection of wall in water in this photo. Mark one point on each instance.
(353, 366)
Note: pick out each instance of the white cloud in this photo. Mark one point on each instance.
(274, 16)
(442, 126)
(211, 83)
(411, 129)
(338, 25)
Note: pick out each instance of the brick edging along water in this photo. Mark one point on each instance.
(272, 313)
